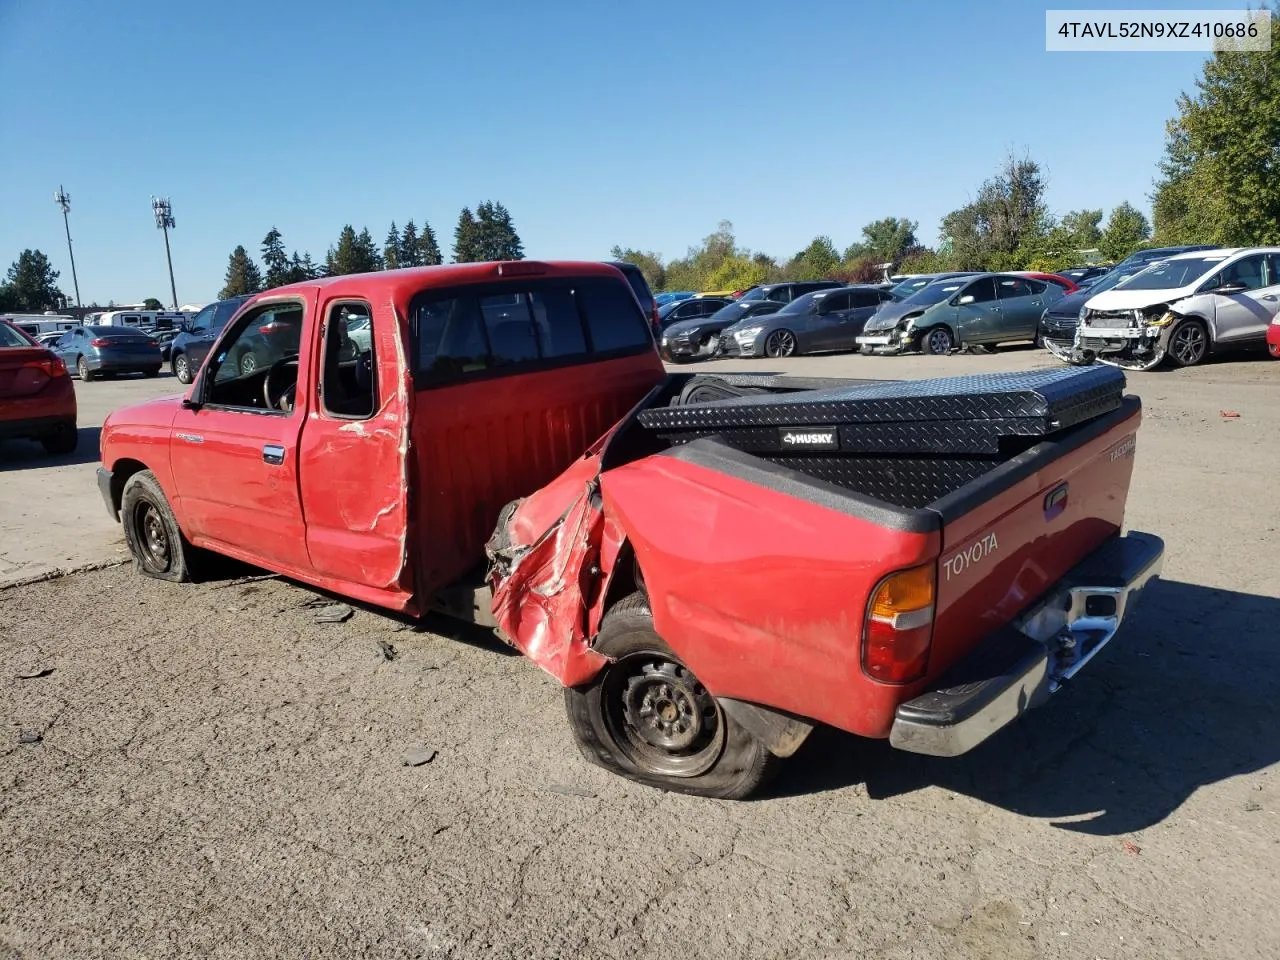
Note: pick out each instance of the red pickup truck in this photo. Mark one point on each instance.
(501, 441)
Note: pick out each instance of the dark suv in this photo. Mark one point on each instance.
(192, 345)
(789, 290)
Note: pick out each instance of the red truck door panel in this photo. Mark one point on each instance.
(352, 452)
(235, 462)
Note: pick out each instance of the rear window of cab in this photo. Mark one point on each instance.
(486, 330)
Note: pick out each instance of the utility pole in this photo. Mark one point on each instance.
(163, 210)
(63, 199)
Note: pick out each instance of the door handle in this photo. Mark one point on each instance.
(273, 454)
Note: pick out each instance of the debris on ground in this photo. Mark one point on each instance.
(30, 736)
(570, 790)
(1132, 848)
(1252, 806)
(417, 756)
(1229, 414)
(387, 650)
(35, 675)
(333, 613)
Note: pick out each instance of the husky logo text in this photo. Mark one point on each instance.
(976, 552)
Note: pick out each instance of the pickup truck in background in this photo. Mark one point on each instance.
(503, 443)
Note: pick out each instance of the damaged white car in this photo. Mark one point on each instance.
(1182, 309)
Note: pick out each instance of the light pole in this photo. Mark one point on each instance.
(63, 199)
(163, 210)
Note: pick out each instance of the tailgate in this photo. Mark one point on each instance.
(23, 370)
(1011, 534)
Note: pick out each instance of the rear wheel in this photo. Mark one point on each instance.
(645, 716)
(780, 343)
(1189, 343)
(158, 547)
(937, 342)
(83, 371)
(61, 441)
(182, 368)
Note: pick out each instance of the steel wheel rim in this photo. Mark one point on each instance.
(1188, 344)
(781, 343)
(661, 717)
(153, 536)
(248, 364)
(939, 341)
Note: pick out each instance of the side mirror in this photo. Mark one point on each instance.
(967, 298)
(1234, 286)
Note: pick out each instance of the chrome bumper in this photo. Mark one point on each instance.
(1035, 656)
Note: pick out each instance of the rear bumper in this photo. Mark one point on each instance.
(1023, 664)
(132, 364)
(34, 428)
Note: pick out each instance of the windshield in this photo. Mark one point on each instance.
(805, 304)
(756, 294)
(733, 311)
(1172, 274)
(935, 292)
(907, 287)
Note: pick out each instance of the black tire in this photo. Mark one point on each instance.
(61, 441)
(151, 372)
(82, 369)
(780, 343)
(247, 364)
(182, 368)
(646, 717)
(1188, 343)
(937, 342)
(158, 547)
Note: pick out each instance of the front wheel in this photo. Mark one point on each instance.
(780, 343)
(158, 547)
(1189, 343)
(182, 368)
(645, 716)
(937, 342)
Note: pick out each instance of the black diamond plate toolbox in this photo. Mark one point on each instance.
(964, 415)
(907, 482)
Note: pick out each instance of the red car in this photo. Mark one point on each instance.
(1273, 337)
(1067, 284)
(703, 607)
(37, 398)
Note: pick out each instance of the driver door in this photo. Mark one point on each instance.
(978, 316)
(234, 458)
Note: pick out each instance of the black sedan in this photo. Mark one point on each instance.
(827, 320)
(695, 308)
(690, 339)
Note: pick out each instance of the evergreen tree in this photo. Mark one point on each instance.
(466, 239)
(428, 249)
(391, 249)
(275, 260)
(497, 238)
(32, 283)
(310, 270)
(353, 254)
(369, 257)
(296, 272)
(1127, 229)
(243, 275)
(409, 255)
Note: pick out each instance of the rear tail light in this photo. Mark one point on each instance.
(100, 342)
(49, 366)
(273, 326)
(898, 630)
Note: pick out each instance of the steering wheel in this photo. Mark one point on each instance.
(282, 399)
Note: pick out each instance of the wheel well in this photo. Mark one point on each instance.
(121, 472)
(624, 581)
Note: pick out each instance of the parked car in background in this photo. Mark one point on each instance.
(95, 351)
(986, 310)
(37, 398)
(1083, 276)
(910, 285)
(789, 290)
(48, 339)
(164, 340)
(1140, 258)
(687, 339)
(192, 344)
(1058, 322)
(663, 299)
(820, 322)
(694, 308)
(1183, 309)
(1068, 286)
(640, 287)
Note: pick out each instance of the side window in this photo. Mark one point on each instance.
(1248, 270)
(834, 302)
(1273, 269)
(1012, 287)
(1036, 287)
(865, 298)
(262, 344)
(982, 291)
(614, 320)
(784, 293)
(200, 322)
(711, 306)
(348, 385)
(222, 312)
(688, 310)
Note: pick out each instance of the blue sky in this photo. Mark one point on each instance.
(594, 123)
